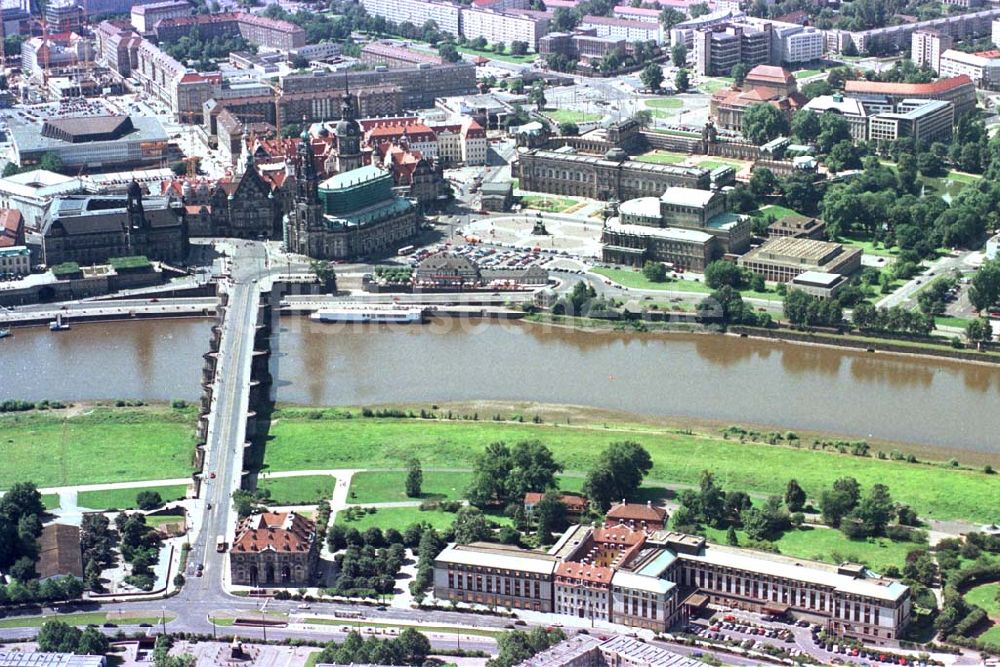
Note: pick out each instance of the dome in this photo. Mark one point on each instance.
(348, 128)
(615, 155)
(305, 133)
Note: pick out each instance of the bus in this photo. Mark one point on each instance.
(406, 250)
(220, 543)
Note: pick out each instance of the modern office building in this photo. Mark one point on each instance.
(848, 108)
(924, 121)
(720, 48)
(982, 67)
(783, 258)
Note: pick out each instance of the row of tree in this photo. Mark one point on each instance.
(411, 647)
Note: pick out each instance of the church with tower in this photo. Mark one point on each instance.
(352, 214)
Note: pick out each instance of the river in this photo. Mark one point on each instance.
(926, 401)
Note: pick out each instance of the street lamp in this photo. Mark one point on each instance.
(163, 618)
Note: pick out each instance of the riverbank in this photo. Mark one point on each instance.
(302, 439)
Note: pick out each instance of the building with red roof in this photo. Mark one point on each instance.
(764, 84)
(575, 504)
(11, 228)
(637, 516)
(274, 549)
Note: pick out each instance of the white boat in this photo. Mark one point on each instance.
(5, 333)
(58, 324)
(370, 313)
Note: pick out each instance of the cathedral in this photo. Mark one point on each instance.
(353, 214)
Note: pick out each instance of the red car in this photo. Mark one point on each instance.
(211, 475)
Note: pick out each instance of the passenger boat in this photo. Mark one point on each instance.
(370, 313)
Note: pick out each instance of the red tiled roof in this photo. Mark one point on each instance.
(770, 73)
(572, 501)
(881, 87)
(275, 531)
(624, 535)
(637, 512)
(11, 227)
(597, 574)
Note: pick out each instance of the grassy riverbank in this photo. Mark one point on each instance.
(679, 455)
(96, 445)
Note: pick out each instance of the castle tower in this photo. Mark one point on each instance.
(348, 133)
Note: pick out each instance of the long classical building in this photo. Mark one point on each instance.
(565, 172)
(646, 579)
(351, 214)
(92, 229)
(685, 227)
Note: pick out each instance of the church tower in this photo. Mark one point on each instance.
(304, 223)
(348, 133)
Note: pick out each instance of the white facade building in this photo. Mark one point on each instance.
(983, 69)
(926, 47)
(799, 44)
(144, 17)
(446, 15)
(627, 29)
(15, 261)
(505, 27)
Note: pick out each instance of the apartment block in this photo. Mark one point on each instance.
(495, 27)
(445, 15)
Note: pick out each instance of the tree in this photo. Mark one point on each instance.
(833, 129)
(550, 515)
(720, 272)
(795, 497)
(518, 47)
(711, 499)
(564, 20)
(568, 128)
(148, 500)
(682, 81)
(415, 645)
(979, 331)
(985, 290)
(58, 637)
(805, 126)
(617, 474)
(669, 17)
(325, 273)
(449, 53)
(739, 73)
(763, 122)
(414, 478)
(537, 95)
(762, 182)
(51, 162)
(654, 271)
(470, 525)
(838, 502)
(679, 54)
(23, 569)
(652, 77)
(92, 642)
(698, 9)
(731, 538)
(876, 509)
(21, 499)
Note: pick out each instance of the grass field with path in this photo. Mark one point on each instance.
(715, 163)
(679, 456)
(305, 490)
(548, 204)
(100, 445)
(505, 57)
(401, 517)
(388, 486)
(636, 280)
(124, 499)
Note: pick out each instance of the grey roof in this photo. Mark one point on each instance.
(818, 278)
(103, 214)
(40, 659)
(492, 555)
(669, 233)
(28, 136)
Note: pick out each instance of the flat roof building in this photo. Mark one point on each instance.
(781, 259)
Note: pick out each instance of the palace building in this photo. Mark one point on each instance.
(656, 579)
(274, 549)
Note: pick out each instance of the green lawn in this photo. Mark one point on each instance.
(549, 204)
(949, 321)
(985, 596)
(50, 500)
(305, 490)
(991, 636)
(712, 84)
(636, 280)
(832, 546)
(85, 618)
(715, 163)
(102, 445)
(387, 486)
(124, 499)
(679, 456)
(869, 247)
(401, 517)
(806, 73)
(661, 157)
(441, 629)
(505, 57)
(570, 116)
(778, 212)
(665, 103)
